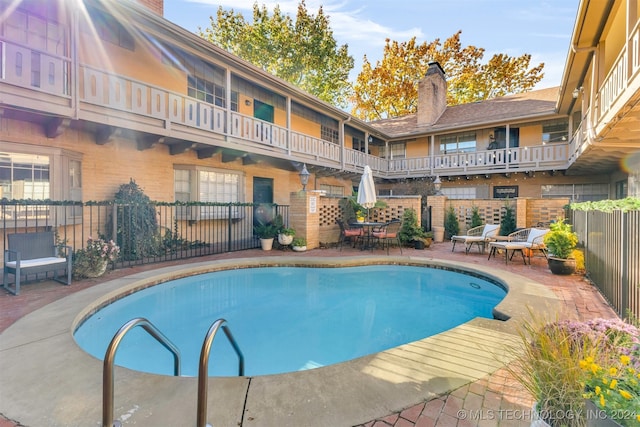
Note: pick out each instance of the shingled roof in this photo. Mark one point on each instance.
(510, 108)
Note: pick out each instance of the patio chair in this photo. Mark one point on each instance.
(386, 234)
(348, 233)
(526, 240)
(480, 235)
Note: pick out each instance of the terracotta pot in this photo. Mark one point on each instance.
(561, 266)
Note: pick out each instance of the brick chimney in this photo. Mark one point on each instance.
(432, 95)
(156, 6)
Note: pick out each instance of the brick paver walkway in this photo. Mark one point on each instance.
(496, 400)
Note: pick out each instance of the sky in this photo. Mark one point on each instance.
(541, 28)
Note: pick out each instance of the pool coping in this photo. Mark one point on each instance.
(48, 380)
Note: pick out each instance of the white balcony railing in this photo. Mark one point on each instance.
(100, 90)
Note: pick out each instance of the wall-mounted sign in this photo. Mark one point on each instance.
(313, 204)
(505, 192)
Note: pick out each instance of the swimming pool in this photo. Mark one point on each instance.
(287, 319)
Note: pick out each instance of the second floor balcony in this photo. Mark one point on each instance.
(104, 102)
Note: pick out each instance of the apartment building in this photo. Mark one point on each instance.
(95, 93)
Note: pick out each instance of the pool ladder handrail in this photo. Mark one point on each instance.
(203, 369)
(109, 358)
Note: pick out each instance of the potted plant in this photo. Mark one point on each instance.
(92, 261)
(285, 234)
(561, 241)
(411, 232)
(266, 232)
(299, 244)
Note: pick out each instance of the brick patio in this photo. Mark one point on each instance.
(495, 400)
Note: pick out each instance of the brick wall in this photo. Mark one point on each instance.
(330, 210)
(156, 6)
(528, 212)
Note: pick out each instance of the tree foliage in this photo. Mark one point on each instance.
(390, 88)
(302, 52)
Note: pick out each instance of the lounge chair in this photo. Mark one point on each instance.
(526, 240)
(480, 235)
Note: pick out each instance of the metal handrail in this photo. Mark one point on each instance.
(203, 370)
(109, 358)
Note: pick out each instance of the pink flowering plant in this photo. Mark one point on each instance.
(93, 259)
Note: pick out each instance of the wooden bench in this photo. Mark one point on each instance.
(33, 253)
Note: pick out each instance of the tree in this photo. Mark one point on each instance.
(390, 89)
(476, 219)
(451, 224)
(303, 52)
(508, 222)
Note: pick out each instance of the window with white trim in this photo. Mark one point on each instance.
(196, 184)
(576, 192)
(460, 143)
(332, 190)
(40, 173)
(397, 150)
(24, 176)
(459, 192)
(555, 131)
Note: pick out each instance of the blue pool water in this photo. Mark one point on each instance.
(289, 318)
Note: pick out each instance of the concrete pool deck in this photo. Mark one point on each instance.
(47, 380)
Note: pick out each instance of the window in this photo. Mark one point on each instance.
(108, 29)
(329, 132)
(210, 186)
(459, 192)
(461, 143)
(39, 32)
(555, 131)
(43, 174)
(622, 189)
(332, 190)
(397, 150)
(24, 176)
(576, 192)
(205, 81)
(182, 185)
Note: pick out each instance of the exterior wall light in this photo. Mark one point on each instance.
(437, 184)
(304, 177)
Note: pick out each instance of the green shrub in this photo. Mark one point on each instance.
(451, 225)
(137, 226)
(410, 230)
(476, 219)
(508, 222)
(561, 240)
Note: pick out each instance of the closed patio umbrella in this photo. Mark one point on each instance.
(367, 190)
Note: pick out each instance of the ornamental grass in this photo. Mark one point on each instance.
(563, 362)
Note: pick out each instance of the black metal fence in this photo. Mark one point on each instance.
(612, 255)
(146, 233)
